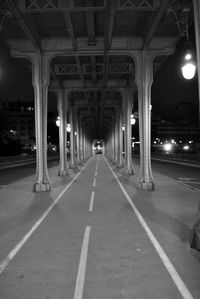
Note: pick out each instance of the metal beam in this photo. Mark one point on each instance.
(28, 32)
(152, 30)
(48, 6)
(69, 26)
(31, 34)
(108, 29)
(90, 25)
(93, 64)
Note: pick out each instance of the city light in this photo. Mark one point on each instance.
(58, 121)
(68, 128)
(167, 147)
(186, 147)
(133, 120)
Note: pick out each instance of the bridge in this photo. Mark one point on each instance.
(97, 225)
(99, 57)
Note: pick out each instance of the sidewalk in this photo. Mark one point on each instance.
(20, 161)
(122, 261)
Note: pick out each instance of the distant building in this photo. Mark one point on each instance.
(182, 131)
(17, 122)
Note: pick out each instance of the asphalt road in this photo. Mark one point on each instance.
(185, 175)
(88, 239)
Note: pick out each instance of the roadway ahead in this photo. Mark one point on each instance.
(186, 175)
(96, 236)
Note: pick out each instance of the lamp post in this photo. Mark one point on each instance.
(188, 68)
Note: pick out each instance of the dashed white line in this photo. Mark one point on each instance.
(94, 183)
(95, 173)
(91, 202)
(21, 243)
(184, 291)
(80, 280)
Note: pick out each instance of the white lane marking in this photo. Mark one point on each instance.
(95, 173)
(184, 291)
(21, 243)
(94, 183)
(80, 280)
(91, 202)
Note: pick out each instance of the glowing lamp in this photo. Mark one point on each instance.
(167, 147)
(58, 122)
(188, 70)
(133, 120)
(68, 128)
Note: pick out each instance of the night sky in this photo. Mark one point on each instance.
(15, 78)
(170, 89)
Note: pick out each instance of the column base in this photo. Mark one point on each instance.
(146, 186)
(63, 172)
(73, 166)
(42, 187)
(120, 165)
(128, 171)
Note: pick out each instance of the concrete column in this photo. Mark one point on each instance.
(78, 137)
(81, 140)
(41, 78)
(196, 6)
(144, 79)
(120, 134)
(113, 139)
(116, 126)
(63, 168)
(84, 143)
(72, 145)
(128, 104)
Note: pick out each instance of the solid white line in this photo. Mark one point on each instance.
(80, 280)
(91, 202)
(94, 183)
(163, 256)
(21, 243)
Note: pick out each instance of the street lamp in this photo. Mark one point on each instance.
(58, 121)
(123, 127)
(133, 120)
(68, 128)
(188, 68)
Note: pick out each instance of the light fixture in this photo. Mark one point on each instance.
(133, 120)
(68, 128)
(167, 147)
(58, 121)
(123, 127)
(188, 67)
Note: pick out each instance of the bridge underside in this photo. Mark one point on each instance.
(99, 58)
